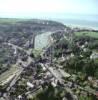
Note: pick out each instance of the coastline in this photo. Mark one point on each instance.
(81, 27)
(78, 23)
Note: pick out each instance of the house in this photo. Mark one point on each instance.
(53, 84)
(30, 85)
(20, 97)
(94, 55)
(43, 67)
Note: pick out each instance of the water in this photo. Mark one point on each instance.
(79, 23)
(42, 40)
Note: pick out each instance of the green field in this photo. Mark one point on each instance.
(86, 33)
(11, 20)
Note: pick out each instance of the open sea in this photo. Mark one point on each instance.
(89, 24)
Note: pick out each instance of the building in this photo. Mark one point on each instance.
(94, 55)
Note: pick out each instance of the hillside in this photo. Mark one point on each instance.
(21, 32)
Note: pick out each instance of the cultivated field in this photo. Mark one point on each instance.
(9, 73)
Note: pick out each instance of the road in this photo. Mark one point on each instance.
(15, 47)
(55, 72)
(23, 64)
(19, 61)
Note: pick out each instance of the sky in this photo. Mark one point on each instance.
(47, 8)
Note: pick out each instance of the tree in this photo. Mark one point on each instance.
(89, 68)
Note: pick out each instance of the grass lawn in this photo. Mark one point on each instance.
(86, 33)
(37, 52)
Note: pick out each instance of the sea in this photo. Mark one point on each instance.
(89, 24)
